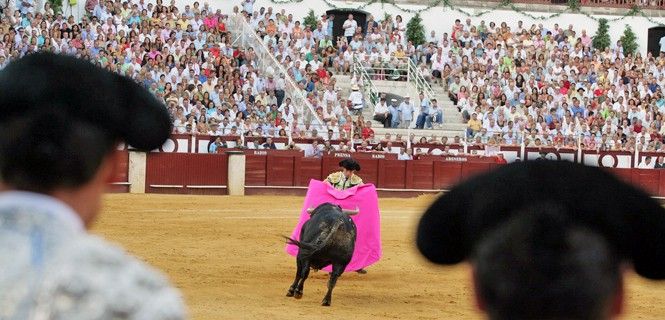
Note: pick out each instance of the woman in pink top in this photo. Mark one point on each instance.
(210, 21)
(462, 94)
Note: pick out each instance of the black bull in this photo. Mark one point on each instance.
(327, 238)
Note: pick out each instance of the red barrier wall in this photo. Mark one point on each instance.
(186, 173)
(289, 171)
(289, 168)
(120, 182)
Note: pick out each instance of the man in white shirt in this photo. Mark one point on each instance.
(47, 204)
(405, 154)
(329, 95)
(433, 39)
(313, 150)
(349, 27)
(356, 98)
(382, 113)
(406, 112)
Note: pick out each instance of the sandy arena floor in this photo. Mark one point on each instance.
(227, 257)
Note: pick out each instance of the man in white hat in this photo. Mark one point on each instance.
(356, 98)
(394, 113)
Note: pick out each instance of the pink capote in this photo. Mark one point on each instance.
(368, 221)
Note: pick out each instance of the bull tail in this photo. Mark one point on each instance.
(309, 249)
(301, 245)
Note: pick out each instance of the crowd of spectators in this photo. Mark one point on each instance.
(546, 86)
(537, 85)
(184, 56)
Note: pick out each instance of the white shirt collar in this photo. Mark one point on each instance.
(41, 202)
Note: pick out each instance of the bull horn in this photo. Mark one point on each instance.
(310, 210)
(351, 212)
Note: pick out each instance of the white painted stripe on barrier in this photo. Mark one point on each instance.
(120, 183)
(206, 187)
(378, 189)
(274, 187)
(165, 186)
(412, 190)
(293, 217)
(234, 210)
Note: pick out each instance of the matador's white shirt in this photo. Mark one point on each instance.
(51, 268)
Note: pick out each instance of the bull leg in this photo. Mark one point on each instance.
(337, 270)
(304, 273)
(292, 289)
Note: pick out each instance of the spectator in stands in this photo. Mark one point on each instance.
(500, 159)
(405, 154)
(327, 147)
(473, 125)
(435, 115)
(269, 144)
(367, 131)
(646, 163)
(424, 111)
(378, 148)
(217, 145)
(239, 144)
(356, 98)
(350, 25)
(292, 146)
(382, 112)
(394, 113)
(660, 163)
(314, 150)
(406, 110)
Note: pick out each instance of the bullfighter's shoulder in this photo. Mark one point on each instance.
(101, 270)
(355, 180)
(335, 177)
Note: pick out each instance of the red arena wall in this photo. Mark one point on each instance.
(183, 166)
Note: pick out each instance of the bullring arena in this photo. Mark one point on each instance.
(261, 101)
(226, 255)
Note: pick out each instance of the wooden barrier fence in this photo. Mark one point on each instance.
(287, 170)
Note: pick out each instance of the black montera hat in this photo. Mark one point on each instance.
(75, 89)
(350, 164)
(632, 222)
(62, 116)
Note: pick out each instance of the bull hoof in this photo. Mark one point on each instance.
(298, 295)
(289, 294)
(325, 303)
(361, 271)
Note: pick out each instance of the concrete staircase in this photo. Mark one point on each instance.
(453, 123)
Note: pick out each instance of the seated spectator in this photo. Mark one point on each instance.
(269, 144)
(405, 154)
(314, 150)
(292, 146)
(435, 115)
(239, 144)
(356, 98)
(660, 163)
(382, 112)
(378, 148)
(646, 163)
(367, 131)
(217, 146)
